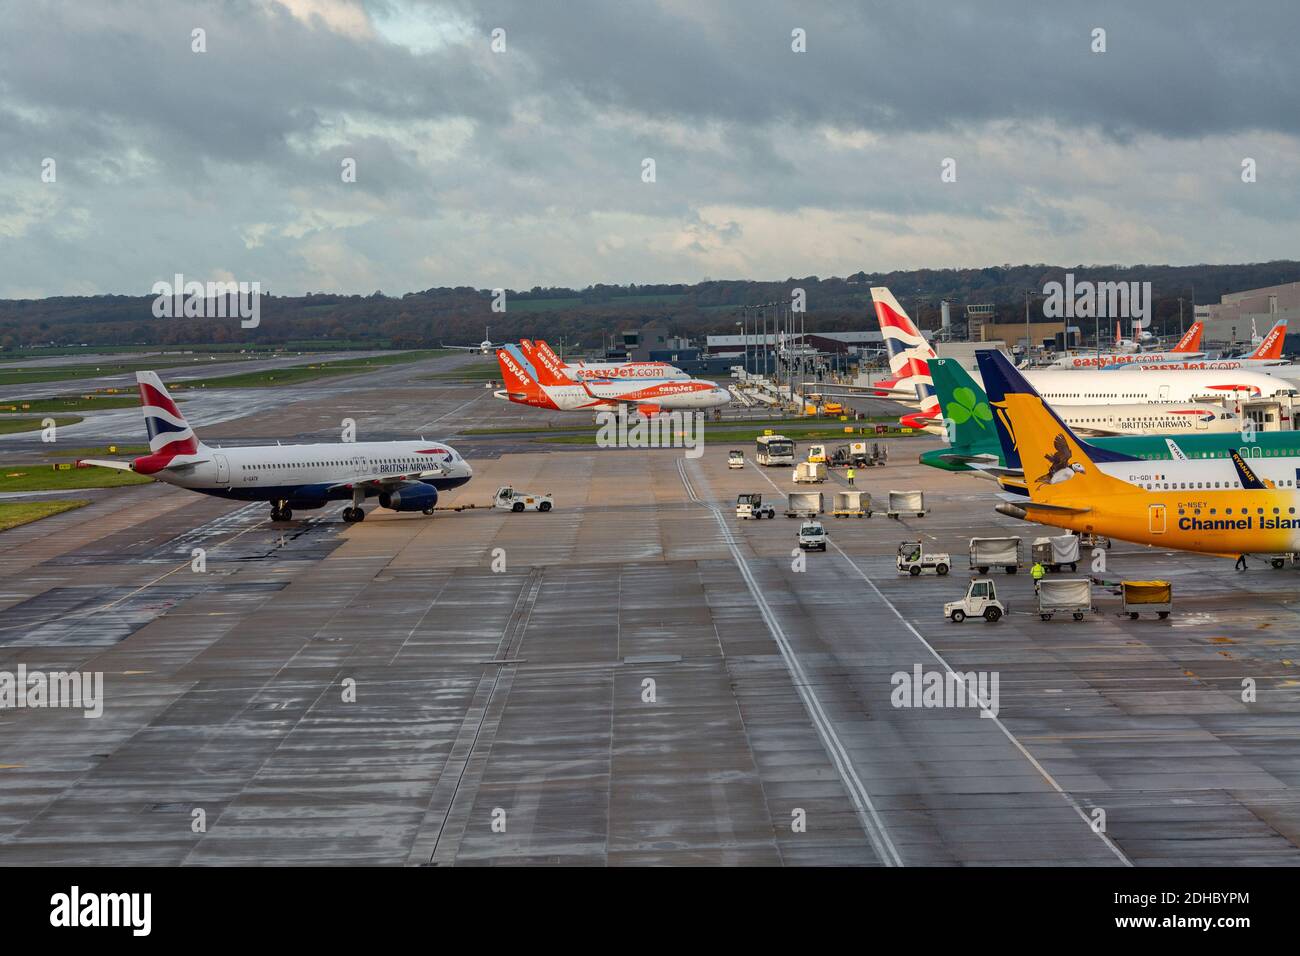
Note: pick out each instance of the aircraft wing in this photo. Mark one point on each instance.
(995, 470)
(463, 348)
(177, 465)
(855, 391)
(107, 463)
(1022, 502)
(1091, 431)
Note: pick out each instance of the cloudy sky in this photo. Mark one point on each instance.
(524, 166)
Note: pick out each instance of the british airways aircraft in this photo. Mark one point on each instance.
(403, 475)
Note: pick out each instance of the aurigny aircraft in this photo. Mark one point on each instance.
(910, 355)
(546, 386)
(483, 348)
(404, 475)
(619, 371)
(1199, 430)
(1224, 507)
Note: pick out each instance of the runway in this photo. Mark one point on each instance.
(635, 678)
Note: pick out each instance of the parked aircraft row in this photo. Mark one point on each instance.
(1266, 355)
(1099, 389)
(542, 381)
(403, 475)
(1186, 348)
(1235, 504)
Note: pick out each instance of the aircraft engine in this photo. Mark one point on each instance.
(409, 496)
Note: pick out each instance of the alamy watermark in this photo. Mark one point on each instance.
(190, 300)
(676, 429)
(917, 688)
(78, 690)
(1101, 300)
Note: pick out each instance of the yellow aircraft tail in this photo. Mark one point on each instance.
(1059, 469)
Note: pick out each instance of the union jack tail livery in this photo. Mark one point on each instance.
(909, 353)
(170, 435)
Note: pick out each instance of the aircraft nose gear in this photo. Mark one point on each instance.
(280, 511)
(353, 514)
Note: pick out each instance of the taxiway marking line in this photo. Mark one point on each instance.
(872, 825)
(1015, 742)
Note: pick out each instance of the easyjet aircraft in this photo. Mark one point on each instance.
(1266, 355)
(629, 371)
(404, 475)
(1186, 349)
(546, 386)
(1200, 508)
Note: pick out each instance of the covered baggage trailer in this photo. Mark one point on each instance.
(907, 502)
(1065, 596)
(805, 504)
(988, 553)
(851, 504)
(809, 472)
(1156, 597)
(1054, 553)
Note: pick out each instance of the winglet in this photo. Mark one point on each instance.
(1249, 480)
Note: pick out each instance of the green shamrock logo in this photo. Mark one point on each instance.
(963, 408)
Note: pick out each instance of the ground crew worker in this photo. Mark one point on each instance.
(1241, 562)
(851, 475)
(1037, 572)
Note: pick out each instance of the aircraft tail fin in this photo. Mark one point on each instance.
(170, 435)
(549, 369)
(1271, 347)
(545, 349)
(967, 414)
(514, 375)
(1059, 468)
(1191, 340)
(909, 352)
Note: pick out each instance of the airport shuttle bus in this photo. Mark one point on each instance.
(774, 450)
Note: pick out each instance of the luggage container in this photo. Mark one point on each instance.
(1064, 596)
(805, 504)
(907, 502)
(1054, 553)
(988, 553)
(1154, 597)
(809, 472)
(851, 504)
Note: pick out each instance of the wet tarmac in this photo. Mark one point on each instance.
(635, 678)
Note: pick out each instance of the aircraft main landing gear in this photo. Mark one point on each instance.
(353, 514)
